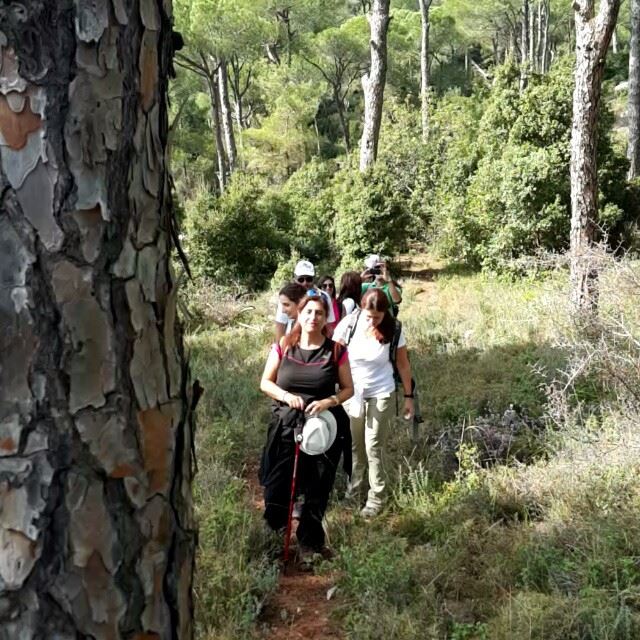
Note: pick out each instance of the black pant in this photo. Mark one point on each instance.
(316, 475)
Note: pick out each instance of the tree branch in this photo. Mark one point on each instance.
(187, 63)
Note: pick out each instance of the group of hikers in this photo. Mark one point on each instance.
(338, 361)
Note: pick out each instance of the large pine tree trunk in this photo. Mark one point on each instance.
(96, 530)
(593, 35)
(633, 150)
(373, 83)
(225, 115)
(425, 5)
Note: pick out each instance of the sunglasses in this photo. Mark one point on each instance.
(302, 279)
(327, 285)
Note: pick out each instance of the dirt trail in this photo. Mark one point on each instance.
(299, 608)
(418, 274)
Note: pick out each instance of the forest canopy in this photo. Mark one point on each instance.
(267, 112)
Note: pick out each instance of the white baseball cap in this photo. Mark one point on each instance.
(319, 433)
(304, 268)
(372, 260)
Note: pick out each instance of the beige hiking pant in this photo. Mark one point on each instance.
(369, 435)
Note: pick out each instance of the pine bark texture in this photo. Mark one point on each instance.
(633, 109)
(96, 529)
(593, 35)
(373, 83)
(425, 5)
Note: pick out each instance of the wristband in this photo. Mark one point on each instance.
(335, 398)
(409, 395)
(284, 395)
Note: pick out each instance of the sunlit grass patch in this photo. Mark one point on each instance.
(234, 571)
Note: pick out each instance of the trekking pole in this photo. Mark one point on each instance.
(287, 535)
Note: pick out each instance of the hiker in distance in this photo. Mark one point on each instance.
(376, 274)
(301, 375)
(378, 357)
(304, 273)
(350, 292)
(328, 285)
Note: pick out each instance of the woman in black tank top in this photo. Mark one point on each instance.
(301, 376)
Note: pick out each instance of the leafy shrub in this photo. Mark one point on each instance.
(370, 215)
(309, 198)
(506, 193)
(238, 236)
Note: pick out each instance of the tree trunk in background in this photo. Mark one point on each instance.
(545, 55)
(373, 83)
(238, 92)
(96, 530)
(214, 94)
(532, 37)
(524, 54)
(226, 117)
(633, 109)
(593, 35)
(425, 5)
(536, 54)
(344, 123)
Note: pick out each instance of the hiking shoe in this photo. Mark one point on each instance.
(370, 511)
(308, 558)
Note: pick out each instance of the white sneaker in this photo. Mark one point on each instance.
(370, 511)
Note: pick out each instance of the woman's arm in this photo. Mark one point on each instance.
(346, 391)
(269, 387)
(280, 330)
(404, 369)
(396, 296)
(394, 292)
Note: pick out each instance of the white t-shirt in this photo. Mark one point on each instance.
(348, 304)
(371, 368)
(283, 318)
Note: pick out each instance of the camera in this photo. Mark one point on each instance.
(375, 271)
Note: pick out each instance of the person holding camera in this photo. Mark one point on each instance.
(376, 274)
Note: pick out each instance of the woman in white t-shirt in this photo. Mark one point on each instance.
(368, 334)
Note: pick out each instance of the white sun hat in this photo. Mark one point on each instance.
(319, 433)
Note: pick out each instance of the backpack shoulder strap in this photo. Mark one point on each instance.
(351, 327)
(393, 347)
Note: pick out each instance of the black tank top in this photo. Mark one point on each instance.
(311, 374)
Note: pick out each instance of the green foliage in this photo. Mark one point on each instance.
(513, 193)
(236, 237)
(308, 195)
(371, 215)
